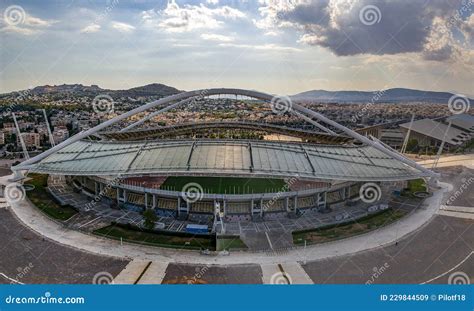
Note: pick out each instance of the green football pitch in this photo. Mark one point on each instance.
(228, 185)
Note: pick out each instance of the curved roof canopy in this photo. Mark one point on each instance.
(226, 158)
(193, 127)
(74, 156)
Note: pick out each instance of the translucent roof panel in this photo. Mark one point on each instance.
(226, 158)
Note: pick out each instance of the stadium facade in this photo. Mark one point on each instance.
(128, 167)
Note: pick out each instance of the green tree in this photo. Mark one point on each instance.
(150, 218)
(412, 145)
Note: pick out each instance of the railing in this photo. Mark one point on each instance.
(212, 196)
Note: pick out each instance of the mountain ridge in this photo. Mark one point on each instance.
(380, 96)
(394, 95)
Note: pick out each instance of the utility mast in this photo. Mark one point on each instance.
(50, 135)
(440, 150)
(405, 142)
(22, 142)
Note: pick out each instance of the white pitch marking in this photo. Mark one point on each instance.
(441, 275)
(10, 279)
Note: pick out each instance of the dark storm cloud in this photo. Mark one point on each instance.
(402, 25)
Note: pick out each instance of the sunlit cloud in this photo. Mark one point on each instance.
(90, 28)
(122, 27)
(175, 18)
(215, 37)
(23, 23)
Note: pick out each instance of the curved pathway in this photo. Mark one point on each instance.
(38, 222)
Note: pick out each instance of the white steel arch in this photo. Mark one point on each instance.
(177, 99)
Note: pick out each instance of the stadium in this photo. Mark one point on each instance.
(209, 185)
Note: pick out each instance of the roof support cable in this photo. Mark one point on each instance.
(308, 119)
(188, 163)
(249, 145)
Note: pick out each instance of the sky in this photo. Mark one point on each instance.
(280, 46)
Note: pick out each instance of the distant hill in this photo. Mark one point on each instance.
(66, 88)
(154, 89)
(384, 96)
(148, 90)
(395, 95)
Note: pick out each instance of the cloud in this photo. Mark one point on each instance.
(344, 27)
(122, 27)
(215, 37)
(190, 17)
(18, 21)
(90, 28)
(271, 33)
(467, 29)
(262, 47)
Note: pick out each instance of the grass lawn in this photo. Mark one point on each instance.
(155, 239)
(336, 232)
(229, 243)
(417, 185)
(226, 184)
(43, 200)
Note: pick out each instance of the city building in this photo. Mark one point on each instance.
(393, 137)
(30, 139)
(430, 133)
(60, 134)
(464, 122)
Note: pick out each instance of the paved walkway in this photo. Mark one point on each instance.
(287, 273)
(457, 211)
(466, 160)
(154, 274)
(52, 230)
(132, 272)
